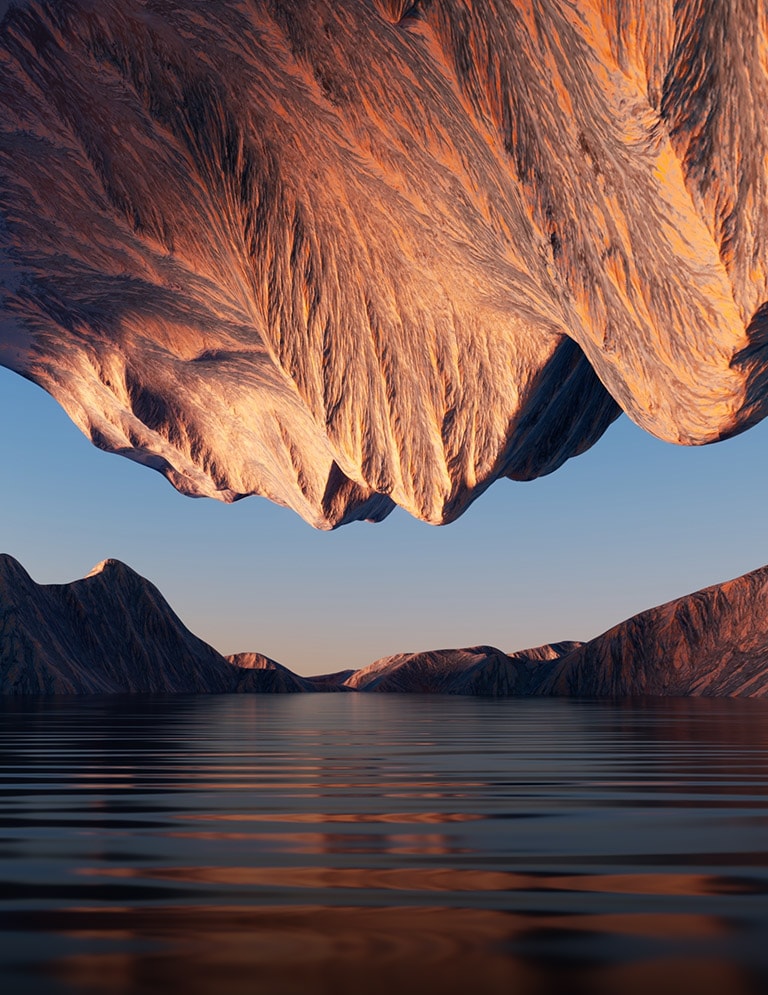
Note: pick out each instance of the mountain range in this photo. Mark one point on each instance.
(113, 632)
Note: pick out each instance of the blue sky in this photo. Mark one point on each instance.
(632, 523)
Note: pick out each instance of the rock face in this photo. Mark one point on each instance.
(713, 642)
(112, 632)
(351, 253)
(261, 673)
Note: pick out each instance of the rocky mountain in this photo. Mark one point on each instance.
(260, 673)
(482, 670)
(110, 633)
(353, 253)
(713, 642)
(113, 632)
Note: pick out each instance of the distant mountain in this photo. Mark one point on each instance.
(112, 632)
(480, 670)
(260, 673)
(713, 642)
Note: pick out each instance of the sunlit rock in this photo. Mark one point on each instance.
(478, 670)
(711, 643)
(260, 673)
(352, 253)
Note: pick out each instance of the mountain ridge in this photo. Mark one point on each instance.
(113, 632)
(711, 642)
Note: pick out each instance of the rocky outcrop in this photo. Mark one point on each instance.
(113, 632)
(110, 633)
(353, 253)
(713, 642)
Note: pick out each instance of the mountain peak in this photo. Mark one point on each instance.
(112, 632)
(110, 566)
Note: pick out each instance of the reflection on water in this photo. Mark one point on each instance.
(344, 843)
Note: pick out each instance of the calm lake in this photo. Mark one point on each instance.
(370, 844)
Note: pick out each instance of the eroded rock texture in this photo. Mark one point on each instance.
(354, 252)
(481, 670)
(713, 642)
(113, 632)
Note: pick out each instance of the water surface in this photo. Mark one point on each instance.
(366, 843)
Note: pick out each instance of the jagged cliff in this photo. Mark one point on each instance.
(351, 253)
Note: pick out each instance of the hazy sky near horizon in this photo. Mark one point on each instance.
(631, 523)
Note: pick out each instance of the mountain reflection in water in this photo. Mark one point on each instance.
(336, 843)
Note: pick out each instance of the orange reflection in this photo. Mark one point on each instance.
(432, 879)
(342, 843)
(320, 817)
(348, 950)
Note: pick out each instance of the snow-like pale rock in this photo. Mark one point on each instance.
(353, 253)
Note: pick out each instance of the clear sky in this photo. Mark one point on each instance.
(632, 523)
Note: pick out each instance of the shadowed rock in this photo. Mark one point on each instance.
(355, 253)
(331, 682)
(481, 670)
(112, 632)
(713, 642)
(260, 673)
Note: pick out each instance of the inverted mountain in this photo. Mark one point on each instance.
(351, 253)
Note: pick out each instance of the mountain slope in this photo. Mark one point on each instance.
(348, 254)
(261, 673)
(112, 632)
(713, 642)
